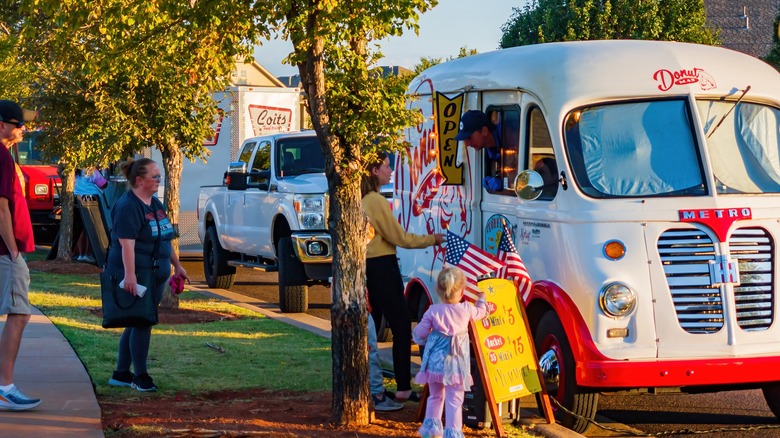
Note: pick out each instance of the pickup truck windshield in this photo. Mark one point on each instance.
(745, 149)
(635, 149)
(296, 156)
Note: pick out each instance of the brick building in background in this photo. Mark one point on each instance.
(745, 25)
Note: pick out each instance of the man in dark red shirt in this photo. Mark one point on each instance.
(16, 237)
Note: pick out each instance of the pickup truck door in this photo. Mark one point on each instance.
(232, 238)
(258, 204)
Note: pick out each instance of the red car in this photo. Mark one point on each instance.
(42, 187)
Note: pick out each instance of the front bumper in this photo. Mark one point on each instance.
(678, 373)
(313, 248)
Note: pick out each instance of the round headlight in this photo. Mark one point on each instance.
(617, 299)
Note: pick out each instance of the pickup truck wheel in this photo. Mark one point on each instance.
(293, 291)
(422, 306)
(556, 361)
(218, 273)
(772, 396)
(383, 332)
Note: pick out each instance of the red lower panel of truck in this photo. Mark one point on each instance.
(705, 372)
(598, 371)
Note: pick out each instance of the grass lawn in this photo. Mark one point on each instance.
(258, 352)
(245, 351)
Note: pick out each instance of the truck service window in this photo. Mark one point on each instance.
(745, 148)
(635, 149)
(506, 119)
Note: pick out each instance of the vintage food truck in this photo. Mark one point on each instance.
(641, 186)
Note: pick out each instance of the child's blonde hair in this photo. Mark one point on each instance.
(449, 283)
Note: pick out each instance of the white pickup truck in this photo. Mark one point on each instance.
(270, 214)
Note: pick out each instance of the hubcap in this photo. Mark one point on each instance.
(551, 371)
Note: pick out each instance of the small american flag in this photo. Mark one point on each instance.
(513, 264)
(473, 261)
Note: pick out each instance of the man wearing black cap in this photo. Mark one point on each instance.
(477, 131)
(16, 237)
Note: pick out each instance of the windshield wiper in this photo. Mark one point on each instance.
(728, 112)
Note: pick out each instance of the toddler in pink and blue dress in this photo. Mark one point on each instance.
(446, 366)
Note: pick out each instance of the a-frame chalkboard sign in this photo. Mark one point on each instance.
(506, 358)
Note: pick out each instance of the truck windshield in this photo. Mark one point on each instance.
(28, 152)
(635, 149)
(745, 149)
(296, 156)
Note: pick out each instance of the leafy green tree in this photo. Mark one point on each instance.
(354, 111)
(113, 77)
(773, 57)
(427, 62)
(544, 21)
(424, 64)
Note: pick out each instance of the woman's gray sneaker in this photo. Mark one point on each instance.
(385, 403)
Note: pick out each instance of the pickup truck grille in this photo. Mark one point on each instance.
(686, 253)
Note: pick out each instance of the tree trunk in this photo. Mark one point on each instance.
(172, 162)
(347, 225)
(349, 311)
(65, 241)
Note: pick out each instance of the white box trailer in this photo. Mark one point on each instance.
(651, 227)
(245, 111)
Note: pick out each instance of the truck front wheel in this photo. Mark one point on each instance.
(556, 362)
(383, 332)
(772, 396)
(218, 273)
(293, 291)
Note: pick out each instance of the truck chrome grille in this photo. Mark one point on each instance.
(686, 254)
(754, 297)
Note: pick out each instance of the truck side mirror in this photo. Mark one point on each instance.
(236, 176)
(259, 179)
(529, 185)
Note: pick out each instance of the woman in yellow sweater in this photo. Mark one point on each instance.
(383, 276)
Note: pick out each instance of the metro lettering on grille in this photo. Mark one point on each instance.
(718, 220)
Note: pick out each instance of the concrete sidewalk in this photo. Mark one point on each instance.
(48, 368)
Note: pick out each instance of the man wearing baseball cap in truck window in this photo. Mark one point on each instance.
(16, 237)
(477, 131)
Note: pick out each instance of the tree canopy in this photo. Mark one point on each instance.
(543, 21)
(773, 57)
(112, 77)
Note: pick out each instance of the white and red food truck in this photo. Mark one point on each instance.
(641, 186)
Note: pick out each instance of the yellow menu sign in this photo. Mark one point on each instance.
(503, 342)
